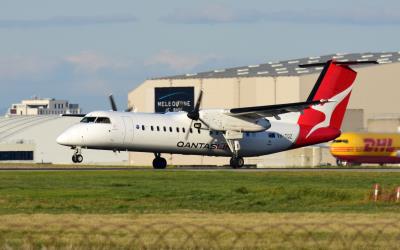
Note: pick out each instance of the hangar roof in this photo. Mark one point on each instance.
(13, 125)
(289, 67)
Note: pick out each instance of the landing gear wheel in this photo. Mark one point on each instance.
(339, 163)
(77, 158)
(159, 163)
(237, 162)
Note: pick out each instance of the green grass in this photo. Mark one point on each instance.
(116, 192)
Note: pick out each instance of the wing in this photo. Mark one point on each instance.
(257, 112)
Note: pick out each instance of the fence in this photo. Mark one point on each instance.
(289, 235)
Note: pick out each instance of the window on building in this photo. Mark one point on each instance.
(16, 155)
(103, 120)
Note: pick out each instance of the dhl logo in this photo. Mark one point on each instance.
(378, 145)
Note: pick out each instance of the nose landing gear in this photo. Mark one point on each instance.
(159, 162)
(77, 156)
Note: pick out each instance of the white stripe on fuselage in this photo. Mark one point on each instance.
(126, 133)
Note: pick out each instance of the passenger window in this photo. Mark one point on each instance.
(143, 127)
(152, 128)
(183, 130)
(199, 131)
(137, 127)
(158, 128)
(191, 130)
(103, 120)
(88, 119)
(165, 129)
(170, 129)
(177, 130)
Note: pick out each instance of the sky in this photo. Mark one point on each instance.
(83, 50)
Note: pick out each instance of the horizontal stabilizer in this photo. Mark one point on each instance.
(310, 65)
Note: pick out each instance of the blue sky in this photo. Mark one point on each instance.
(82, 50)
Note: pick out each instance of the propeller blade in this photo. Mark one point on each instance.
(197, 107)
(188, 130)
(112, 102)
(128, 109)
(194, 114)
(205, 123)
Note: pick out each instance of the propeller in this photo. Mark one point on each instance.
(114, 106)
(194, 115)
(112, 102)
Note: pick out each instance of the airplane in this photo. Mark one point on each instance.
(235, 133)
(354, 149)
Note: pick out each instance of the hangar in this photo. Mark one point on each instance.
(375, 95)
(33, 139)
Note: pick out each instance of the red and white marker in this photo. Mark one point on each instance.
(377, 189)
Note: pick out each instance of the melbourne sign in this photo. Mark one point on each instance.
(173, 99)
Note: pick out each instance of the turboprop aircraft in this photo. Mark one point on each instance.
(236, 133)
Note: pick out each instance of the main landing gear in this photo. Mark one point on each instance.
(77, 156)
(236, 162)
(159, 162)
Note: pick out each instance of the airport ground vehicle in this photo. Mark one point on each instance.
(358, 148)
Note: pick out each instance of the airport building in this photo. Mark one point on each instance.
(29, 130)
(374, 103)
(43, 106)
(33, 139)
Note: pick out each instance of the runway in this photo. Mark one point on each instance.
(194, 169)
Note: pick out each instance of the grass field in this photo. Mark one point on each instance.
(196, 210)
(119, 192)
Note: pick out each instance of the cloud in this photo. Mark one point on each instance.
(23, 66)
(179, 62)
(218, 14)
(65, 21)
(91, 62)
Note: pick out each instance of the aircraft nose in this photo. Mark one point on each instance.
(62, 139)
(70, 137)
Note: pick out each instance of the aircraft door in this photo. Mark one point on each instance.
(128, 123)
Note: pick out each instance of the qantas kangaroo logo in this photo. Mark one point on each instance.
(328, 108)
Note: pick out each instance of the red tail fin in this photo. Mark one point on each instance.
(322, 123)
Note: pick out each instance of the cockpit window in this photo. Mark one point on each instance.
(103, 120)
(88, 119)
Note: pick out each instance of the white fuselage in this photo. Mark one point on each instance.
(175, 133)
